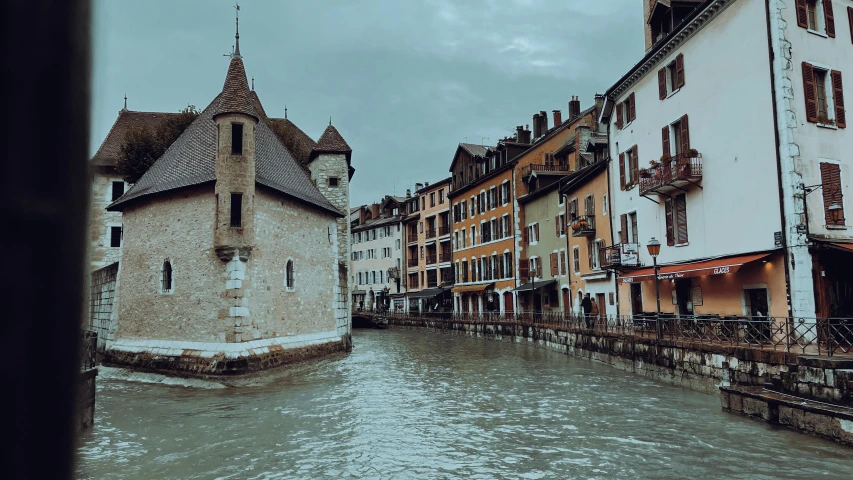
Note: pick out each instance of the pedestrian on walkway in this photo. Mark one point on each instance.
(586, 306)
(593, 311)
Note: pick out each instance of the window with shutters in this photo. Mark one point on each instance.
(576, 259)
(676, 137)
(630, 167)
(820, 93)
(671, 77)
(533, 233)
(817, 16)
(632, 225)
(534, 268)
(824, 96)
(850, 21)
(830, 178)
(595, 253)
(563, 266)
(573, 209)
(676, 220)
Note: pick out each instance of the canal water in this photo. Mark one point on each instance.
(417, 404)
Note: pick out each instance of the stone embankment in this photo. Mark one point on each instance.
(810, 394)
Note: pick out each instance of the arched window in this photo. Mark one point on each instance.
(288, 278)
(166, 283)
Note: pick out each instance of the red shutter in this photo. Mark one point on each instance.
(523, 270)
(664, 134)
(622, 171)
(554, 265)
(685, 135)
(679, 70)
(623, 234)
(662, 83)
(619, 116)
(830, 178)
(632, 108)
(670, 238)
(635, 167)
(830, 18)
(562, 261)
(802, 14)
(850, 19)
(681, 217)
(809, 92)
(838, 96)
(525, 237)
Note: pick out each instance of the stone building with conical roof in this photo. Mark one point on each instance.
(235, 244)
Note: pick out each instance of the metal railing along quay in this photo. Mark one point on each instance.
(825, 336)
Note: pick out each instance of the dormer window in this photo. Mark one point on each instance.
(334, 181)
(236, 139)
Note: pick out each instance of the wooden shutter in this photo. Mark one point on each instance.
(589, 254)
(554, 265)
(838, 96)
(830, 178)
(623, 234)
(679, 70)
(662, 83)
(635, 166)
(536, 231)
(622, 171)
(681, 218)
(685, 135)
(619, 116)
(850, 20)
(523, 270)
(664, 134)
(829, 16)
(562, 262)
(632, 108)
(670, 238)
(802, 14)
(525, 236)
(809, 92)
(557, 224)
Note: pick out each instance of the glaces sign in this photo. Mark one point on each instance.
(629, 254)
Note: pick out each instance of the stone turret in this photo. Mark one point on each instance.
(330, 170)
(236, 120)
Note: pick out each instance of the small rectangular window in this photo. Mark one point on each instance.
(333, 181)
(236, 139)
(115, 237)
(118, 190)
(236, 209)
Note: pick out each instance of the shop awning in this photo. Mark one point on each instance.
(530, 286)
(718, 266)
(472, 288)
(844, 246)
(427, 293)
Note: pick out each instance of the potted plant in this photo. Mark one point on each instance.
(825, 120)
(692, 153)
(645, 173)
(576, 226)
(665, 157)
(653, 163)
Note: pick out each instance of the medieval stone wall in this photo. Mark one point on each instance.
(100, 252)
(323, 167)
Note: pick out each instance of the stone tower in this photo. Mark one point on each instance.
(647, 29)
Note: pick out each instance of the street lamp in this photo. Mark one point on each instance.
(654, 249)
(836, 211)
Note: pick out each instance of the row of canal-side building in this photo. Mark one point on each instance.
(750, 226)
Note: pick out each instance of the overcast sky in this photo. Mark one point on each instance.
(404, 81)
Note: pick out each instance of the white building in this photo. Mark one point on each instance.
(376, 263)
(721, 87)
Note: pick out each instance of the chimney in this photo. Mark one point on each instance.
(536, 126)
(361, 215)
(408, 193)
(599, 103)
(426, 184)
(543, 117)
(374, 210)
(558, 118)
(418, 186)
(519, 133)
(525, 138)
(574, 108)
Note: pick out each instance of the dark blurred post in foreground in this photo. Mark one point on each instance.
(44, 196)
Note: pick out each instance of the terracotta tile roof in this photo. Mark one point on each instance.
(236, 96)
(191, 159)
(331, 141)
(110, 150)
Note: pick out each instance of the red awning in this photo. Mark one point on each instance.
(845, 246)
(718, 266)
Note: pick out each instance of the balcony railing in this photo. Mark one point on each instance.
(675, 173)
(412, 261)
(583, 226)
(430, 233)
(546, 169)
(444, 230)
(431, 259)
(413, 238)
(445, 256)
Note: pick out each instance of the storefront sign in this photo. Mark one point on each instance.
(777, 239)
(629, 254)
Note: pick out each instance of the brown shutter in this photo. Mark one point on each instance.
(523, 270)
(623, 234)
(850, 20)
(802, 14)
(619, 116)
(679, 70)
(622, 171)
(554, 265)
(635, 167)
(681, 217)
(830, 18)
(632, 108)
(557, 224)
(685, 135)
(670, 239)
(830, 178)
(662, 83)
(536, 230)
(562, 261)
(525, 237)
(809, 92)
(664, 134)
(838, 96)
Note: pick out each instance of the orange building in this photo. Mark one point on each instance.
(429, 271)
(483, 235)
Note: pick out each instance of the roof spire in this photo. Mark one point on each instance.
(237, 35)
(285, 111)
(330, 120)
(125, 103)
(253, 84)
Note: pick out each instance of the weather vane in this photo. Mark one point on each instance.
(235, 49)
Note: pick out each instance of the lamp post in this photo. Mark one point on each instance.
(654, 250)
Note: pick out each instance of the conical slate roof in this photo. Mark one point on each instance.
(235, 96)
(191, 159)
(331, 142)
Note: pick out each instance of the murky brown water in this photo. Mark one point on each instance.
(415, 404)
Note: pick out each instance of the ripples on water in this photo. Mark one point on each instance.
(417, 404)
